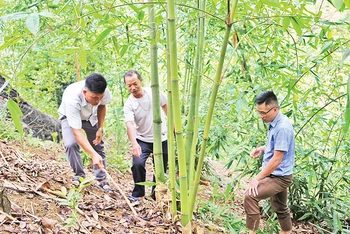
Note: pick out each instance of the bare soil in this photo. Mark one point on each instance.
(34, 178)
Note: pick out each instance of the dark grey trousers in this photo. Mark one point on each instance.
(73, 149)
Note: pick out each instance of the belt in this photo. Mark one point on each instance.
(65, 117)
(274, 176)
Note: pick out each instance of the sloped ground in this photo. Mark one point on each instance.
(36, 177)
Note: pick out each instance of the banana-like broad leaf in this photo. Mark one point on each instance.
(15, 112)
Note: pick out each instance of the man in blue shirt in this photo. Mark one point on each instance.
(277, 168)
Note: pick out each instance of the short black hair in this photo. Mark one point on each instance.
(131, 73)
(267, 97)
(96, 83)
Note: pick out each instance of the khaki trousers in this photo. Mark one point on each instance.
(275, 188)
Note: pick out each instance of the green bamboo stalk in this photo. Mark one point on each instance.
(185, 217)
(193, 193)
(171, 146)
(157, 120)
(191, 140)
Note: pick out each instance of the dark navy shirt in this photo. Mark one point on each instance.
(281, 137)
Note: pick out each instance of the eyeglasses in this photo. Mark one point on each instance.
(265, 113)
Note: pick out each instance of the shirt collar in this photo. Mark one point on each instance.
(275, 120)
(83, 101)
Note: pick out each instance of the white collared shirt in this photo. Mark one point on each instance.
(76, 108)
(139, 111)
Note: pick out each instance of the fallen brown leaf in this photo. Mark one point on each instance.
(48, 223)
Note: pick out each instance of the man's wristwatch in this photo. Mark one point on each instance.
(100, 129)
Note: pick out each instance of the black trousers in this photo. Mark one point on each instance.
(139, 166)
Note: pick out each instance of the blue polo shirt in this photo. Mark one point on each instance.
(280, 137)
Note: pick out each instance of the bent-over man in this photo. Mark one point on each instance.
(83, 108)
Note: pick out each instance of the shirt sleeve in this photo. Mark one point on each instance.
(163, 99)
(129, 114)
(73, 116)
(282, 139)
(107, 98)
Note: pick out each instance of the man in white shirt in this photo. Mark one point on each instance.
(83, 107)
(139, 122)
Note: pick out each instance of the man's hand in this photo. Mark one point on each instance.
(253, 188)
(97, 161)
(98, 138)
(256, 152)
(136, 150)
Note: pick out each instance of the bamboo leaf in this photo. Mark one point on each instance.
(347, 109)
(14, 16)
(115, 42)
(336, 222)
(93, 57)
(137, 10)
(347, 3)
(316, 76)
(296, 26)
(346, 54)
(141, 15)
(48, 14)
(147, 183)
(82, 59)
(329, 34)
(286, 22)
(9, 42)
(338, 4)
(102, 36)
(16, 113)
(326, 47)
(32, 23)
(271, 3)
(65, 51)
(123, 50)
(239, 105)
(305, 216)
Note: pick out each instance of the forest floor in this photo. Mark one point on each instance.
(37, 182)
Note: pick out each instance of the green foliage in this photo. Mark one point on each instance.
(116, 142)
(347, 109)
(86, 159)
(8, 130)
(213, 211)
(72, 200)
(16, 113)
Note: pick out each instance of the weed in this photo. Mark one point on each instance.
(72, 200)
(214, 210)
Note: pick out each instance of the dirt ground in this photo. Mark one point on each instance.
(36, 180)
